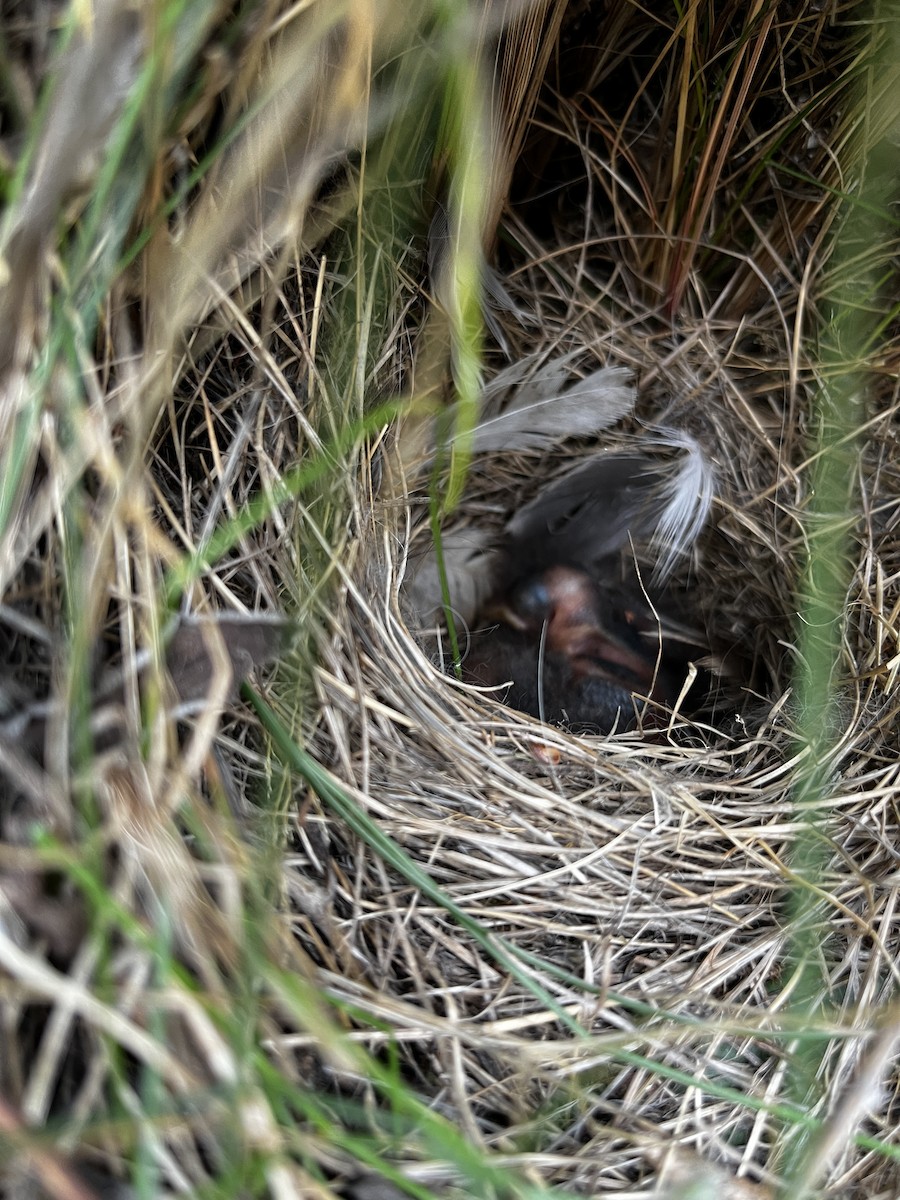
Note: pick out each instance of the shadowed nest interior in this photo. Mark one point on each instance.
(635, 999)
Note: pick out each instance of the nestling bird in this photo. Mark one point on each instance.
(575, 651)
(555, 608)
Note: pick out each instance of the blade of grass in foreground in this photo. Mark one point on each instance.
(465, 144)
(848, 342)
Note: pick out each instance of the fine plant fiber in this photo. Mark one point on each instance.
(302, 303)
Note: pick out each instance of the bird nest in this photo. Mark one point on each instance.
(371, 920)
(641, 883)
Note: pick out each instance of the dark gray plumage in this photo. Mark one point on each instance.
(555, 609)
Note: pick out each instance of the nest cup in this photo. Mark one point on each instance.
(422, 933)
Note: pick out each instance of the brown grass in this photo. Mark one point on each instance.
(200, 957)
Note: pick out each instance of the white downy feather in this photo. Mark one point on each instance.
(469, 562)
(528, 379)
(542, 411)
(684, 499)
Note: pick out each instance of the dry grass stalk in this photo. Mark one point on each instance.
(259, 1005)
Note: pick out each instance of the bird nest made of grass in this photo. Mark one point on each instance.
(380, 923)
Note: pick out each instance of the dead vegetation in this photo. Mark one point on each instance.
(377, 934)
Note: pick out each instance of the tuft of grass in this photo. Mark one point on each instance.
(416, 943)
